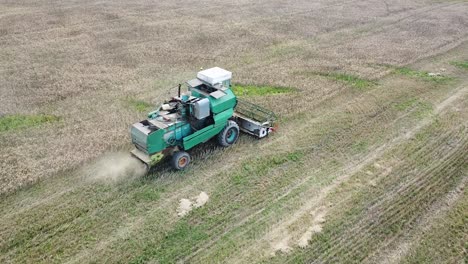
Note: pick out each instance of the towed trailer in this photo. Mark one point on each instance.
(254, 119)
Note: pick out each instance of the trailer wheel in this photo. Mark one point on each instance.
(180, 160)
(229, 134)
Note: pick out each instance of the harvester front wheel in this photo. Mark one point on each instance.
(180, 160)
(229, 134)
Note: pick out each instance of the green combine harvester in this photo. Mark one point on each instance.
(209, 109)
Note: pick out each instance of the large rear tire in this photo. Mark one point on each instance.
(180, 160)
(229, 134)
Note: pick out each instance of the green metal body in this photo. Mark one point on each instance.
(155, 143)
(218, 105)
(203, 135)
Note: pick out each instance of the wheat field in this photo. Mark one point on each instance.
(369, 163)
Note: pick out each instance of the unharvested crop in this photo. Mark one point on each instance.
(349, 79)
(352, 80)
(423, 75)
(14, 122)
(261, 90)
(139, 105)
(461, 64)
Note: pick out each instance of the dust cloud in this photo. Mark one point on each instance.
(115, 167)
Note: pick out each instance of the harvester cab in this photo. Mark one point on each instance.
(207, 109)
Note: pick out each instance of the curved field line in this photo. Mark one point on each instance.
(361, 227)
(261, 210)
(399, 248)
(379, 200)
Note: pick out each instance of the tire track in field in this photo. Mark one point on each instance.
(372, 157)
(376, 116)
(298, 185)
(260, 211)
(338, 242)
(350, 245)
(394, 142)
(396, 217)
(396, 250)
(424, 154)
(344, 240)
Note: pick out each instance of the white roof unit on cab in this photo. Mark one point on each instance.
(214, 75)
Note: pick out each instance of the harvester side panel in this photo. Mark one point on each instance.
(203, 135)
